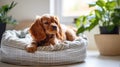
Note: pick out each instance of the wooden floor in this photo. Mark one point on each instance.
(93, 60)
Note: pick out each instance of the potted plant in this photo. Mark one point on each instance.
(4, 18)
(106, 16)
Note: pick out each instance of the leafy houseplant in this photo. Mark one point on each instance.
(107, 16)
(104, 15)
(4, 18)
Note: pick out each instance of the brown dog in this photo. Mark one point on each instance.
(47, 30)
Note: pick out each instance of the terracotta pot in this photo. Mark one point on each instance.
(108, 45)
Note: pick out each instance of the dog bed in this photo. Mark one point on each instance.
(13, 50)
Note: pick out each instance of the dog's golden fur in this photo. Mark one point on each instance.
(46, 30)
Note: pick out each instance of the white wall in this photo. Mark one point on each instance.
(91, 39)
(27, 9)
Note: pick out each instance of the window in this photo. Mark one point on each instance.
(75, 7)
(67, 10)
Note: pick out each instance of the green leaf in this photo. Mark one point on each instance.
(84, 20)
(92, 25)
(117, 10)
(13, 4)
(100, 3)
(110, 5)
(92, 20)
(80, 30)
(5, 8)
(92, 5)
(81, 21)
(118, 3)
(98, 14)
(77, 22)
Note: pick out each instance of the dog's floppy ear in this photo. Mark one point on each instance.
(37, 31)
(59, 34)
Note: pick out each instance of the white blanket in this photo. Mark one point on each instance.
(13, 50)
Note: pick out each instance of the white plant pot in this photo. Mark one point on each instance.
(108, 44)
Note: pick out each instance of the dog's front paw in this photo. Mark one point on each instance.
(31, 48)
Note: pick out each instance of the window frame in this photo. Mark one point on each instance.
(56, 9)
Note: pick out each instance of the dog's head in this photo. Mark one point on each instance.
(45, 25)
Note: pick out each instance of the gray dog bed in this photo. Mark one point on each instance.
(13, 50)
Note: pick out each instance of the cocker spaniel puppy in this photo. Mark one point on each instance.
(46, 30)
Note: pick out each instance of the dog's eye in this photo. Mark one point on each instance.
(46, 23)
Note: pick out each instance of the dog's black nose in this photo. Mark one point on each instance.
(54, 27)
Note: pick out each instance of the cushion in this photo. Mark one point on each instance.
(13, 50)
